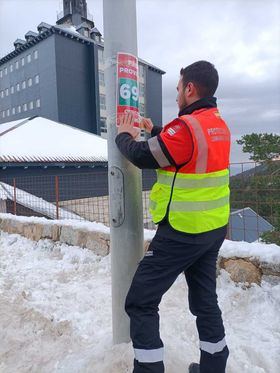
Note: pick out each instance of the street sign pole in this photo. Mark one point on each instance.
(125, 183)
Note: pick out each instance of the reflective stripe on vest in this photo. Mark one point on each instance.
(157, 152)
(202, 146)
(187, 180)
(199, 205)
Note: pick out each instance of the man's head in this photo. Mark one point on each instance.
(197, 80)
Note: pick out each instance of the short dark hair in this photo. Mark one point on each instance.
(203, 75)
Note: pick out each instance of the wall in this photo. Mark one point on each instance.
(96, 237)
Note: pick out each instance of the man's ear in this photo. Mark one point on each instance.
(190, 90)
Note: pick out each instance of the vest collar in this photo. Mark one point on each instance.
(203, 103)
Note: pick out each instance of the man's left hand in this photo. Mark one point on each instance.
(126, 125)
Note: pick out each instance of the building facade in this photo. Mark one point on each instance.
(58, 73)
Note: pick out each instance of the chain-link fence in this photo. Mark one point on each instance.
(255, 198)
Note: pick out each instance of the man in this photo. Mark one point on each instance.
(190, 204)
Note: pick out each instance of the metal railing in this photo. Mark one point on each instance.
(255, 198)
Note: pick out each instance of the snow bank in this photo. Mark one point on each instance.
(55, 315)
(262, 252)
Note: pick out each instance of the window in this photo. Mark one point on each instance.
(16, 64)
(12, 90)
(102, 102)
(24, 106)
(6, 71)
(8, 112)
(101, 78)
(22, 61)
(141, 71)
(101, 56)
(4, 114)
(142, 89)
(18, 88)
(103, 126)
(31, 106)
(28, 58)
(142, 109)
(1, 73)
(11, 68)
(29, 82)
(19, 109)
(36, 79)
(7, 91)
(13, 110)
(38, 103)
(23, 85)
(35, 55)
(2, 94)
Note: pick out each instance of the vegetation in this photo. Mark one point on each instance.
(259, 188)
(261, 146)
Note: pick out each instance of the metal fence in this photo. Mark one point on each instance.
(255, 198)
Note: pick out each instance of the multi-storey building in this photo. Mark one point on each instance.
(58, 73)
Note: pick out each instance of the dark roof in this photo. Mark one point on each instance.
(21, 41)
(65, 31)
(31, 33)
(95, 31)
(246, 225)
(44, 24)
(82, 25)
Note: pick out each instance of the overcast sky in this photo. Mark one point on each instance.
(241, 37)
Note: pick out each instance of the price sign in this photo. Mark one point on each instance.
(127, 86)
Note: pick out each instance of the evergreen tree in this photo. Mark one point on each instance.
(261, 146)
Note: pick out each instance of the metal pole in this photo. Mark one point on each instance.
(15, 196)
(57, 197)
(125, 183)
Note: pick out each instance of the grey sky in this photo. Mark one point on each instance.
(242, 39)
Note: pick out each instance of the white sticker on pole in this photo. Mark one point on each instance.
(127, 86)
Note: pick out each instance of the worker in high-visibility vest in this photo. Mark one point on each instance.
(190, 204)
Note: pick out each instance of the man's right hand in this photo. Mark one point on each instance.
(146, 124)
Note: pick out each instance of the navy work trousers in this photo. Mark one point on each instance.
(161, 265)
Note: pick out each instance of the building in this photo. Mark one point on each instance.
(246, 225)
(59, 172)
(58, 73)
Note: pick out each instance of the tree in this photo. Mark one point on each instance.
(261, 146)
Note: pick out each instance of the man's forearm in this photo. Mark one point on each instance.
(137, 152)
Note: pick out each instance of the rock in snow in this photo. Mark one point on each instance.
(55, 315)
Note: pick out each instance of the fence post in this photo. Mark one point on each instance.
(57, 197)
(15, 196)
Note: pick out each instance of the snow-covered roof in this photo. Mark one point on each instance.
(39, 139)
(35, 203)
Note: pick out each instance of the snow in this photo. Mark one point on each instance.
(8, 125)
(37, 204)
(90, 226)
(268, 253)
(55, 315)
(45, 142)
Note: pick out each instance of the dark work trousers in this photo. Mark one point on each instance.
(161, 265)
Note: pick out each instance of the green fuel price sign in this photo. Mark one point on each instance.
(127, 85)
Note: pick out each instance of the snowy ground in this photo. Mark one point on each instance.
(55, 316)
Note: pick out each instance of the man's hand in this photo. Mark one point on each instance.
(126, 125)
(146, 124)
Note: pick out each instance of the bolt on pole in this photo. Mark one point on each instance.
(125, 180)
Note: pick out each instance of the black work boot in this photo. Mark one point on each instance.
(194, 368)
